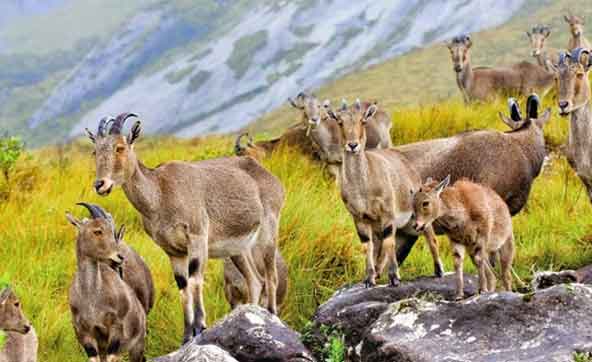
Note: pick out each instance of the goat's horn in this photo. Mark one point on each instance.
(514, 110)
(358, 104)
(103, 124)
(532, 106)
(237, 145)
(119, 122)
(562, 58)
(96, 212)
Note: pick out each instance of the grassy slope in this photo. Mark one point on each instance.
(316, 237)
(425, 75)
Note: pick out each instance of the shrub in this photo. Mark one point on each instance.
(11, 149)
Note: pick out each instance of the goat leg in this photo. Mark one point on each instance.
(433, 245)
(198, 258)
(459, 256)
(181, 271)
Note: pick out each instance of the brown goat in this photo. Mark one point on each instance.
(545, 57)
(574, 101)
(108, 317)
(506, 162)
(475, 219)
(576, 29)
(376, 187)
(235, 283)
(194, 211)
(21, 339)
(484, 84)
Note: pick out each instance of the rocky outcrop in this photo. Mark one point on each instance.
(196, 353)
(352, 310)
(548, 279)
(249, 334)
(546, 326)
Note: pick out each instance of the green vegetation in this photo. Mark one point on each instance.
(317, 237)
(582, 357)
(11, 149)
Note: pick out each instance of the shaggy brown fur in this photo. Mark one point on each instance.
(484, 84)
(21, 342)
(576, 29)
(475, 219)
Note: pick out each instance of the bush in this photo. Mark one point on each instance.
(11, 149)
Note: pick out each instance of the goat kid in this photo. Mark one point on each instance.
(21, 339)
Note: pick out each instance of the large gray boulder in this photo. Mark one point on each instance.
(546, 326)
(548, 279)
(196, 353)
(353, 309)
(250, 334)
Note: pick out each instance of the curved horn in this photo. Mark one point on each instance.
(343, 105)
(96, 212)
(358, 105)
(103, 125)
(562, 58)
(532, 106)
(119, 122)
(514, 110)
(237, 145)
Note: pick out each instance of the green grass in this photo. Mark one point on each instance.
(582, 357)
(317, 237)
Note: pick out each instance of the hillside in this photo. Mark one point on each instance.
(425, 75)
(208, 66)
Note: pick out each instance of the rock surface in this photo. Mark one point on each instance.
(544, 280)
(351, 310)
(249, 334)
(546, 326)
(196, 353)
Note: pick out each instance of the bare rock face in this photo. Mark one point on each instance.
(248, 334)
(546, 326)
(196, 353)
(548, 279)
(352, 310)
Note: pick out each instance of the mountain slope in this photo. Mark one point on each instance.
(214, 66)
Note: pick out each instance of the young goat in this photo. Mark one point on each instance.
(376, 187)
(107, 314)
(218, 208)
(235, 284)
(545, 57)
(21, 342)
(475, 219)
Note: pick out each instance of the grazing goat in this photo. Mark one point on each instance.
(235, 284)
(545, 57)
(21, 340)
(484, 84)
(250, 149)
(506, 162)
(196, 210)
(108, 317)
(574, 101)
(376, 187)
(475, 219)
(576, 29)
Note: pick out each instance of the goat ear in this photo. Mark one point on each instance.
(91, 135)
(134, 133)
(295, 105)
(544, 118)
(332, 115)
(528, 34)
(566, 18)
(371, 112)
(442, 185)
(120, 233)
(74, 221)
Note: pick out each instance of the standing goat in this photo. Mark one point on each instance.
(476, 219)
(484, 84)
(377, 187)
(574, 101)
(235, 284)
(21, 340)
(545, 57)
(108, 317)
(507, 162)
(576, 29)
(196, 210)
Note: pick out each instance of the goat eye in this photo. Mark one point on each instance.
(17, 304)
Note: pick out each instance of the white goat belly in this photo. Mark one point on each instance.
(225, 248)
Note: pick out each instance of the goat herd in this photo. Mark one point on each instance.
(467, 186)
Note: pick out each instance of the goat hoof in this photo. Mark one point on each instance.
(394, 281)
(459, 297)
(197, 331)
(438, 270)
(369, 283)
